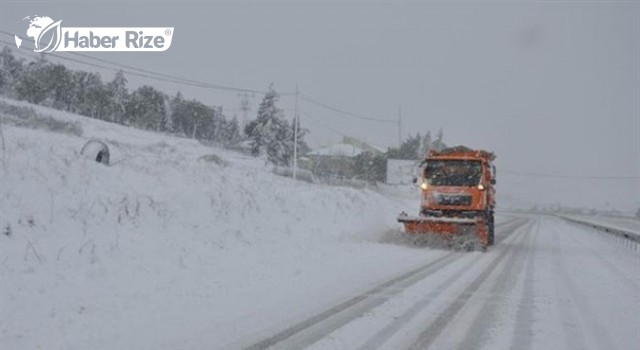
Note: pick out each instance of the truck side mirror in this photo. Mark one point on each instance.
(493, 181)
(415, 180)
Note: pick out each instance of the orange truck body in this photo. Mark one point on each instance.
(458, 194)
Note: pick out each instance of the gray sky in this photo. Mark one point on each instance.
(550, 87)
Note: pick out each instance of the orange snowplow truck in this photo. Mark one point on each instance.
(458, 197)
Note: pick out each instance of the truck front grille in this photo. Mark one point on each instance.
(448, 199)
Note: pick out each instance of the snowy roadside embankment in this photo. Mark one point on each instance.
(165, 249)
(627, 224)
(628, 228)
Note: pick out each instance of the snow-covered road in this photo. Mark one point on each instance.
(547, 284)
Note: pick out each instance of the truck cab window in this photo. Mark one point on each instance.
(453, 173)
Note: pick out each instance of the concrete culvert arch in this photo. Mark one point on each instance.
(97, 151)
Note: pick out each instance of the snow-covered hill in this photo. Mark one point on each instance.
(165, 244)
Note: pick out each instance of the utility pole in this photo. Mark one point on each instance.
(399, 127)
(245, 108)
(295, 133)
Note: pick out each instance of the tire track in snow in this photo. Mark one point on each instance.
(508, 227)
(485, 319)
(427, 337)
(523, 331)
(386, 333)
(380, 337)
(341, 314)
(579, 306)
(316, 327)
(574, 335)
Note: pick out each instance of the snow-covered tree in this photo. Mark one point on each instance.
(117, 89)
(439, 144)
(31, 85)
(11, 69)
(81, 92)
(192, 118)
(89, 91)
(146, 108)
(426, 144)
(230, 131)
(370, 168)
(270, 134)
(215, 125)
(60, 86)
(175, 107)
(168, 123)
(409, 149)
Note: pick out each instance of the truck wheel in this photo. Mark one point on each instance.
(491, 228)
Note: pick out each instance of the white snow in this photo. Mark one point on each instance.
(631, 225)
(166, 249)
(337, 150)
(558, 287)
(162, 248)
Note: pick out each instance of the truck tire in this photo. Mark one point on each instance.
(491, 227)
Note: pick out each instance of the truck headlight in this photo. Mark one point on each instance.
(424, 186)
(481, 187)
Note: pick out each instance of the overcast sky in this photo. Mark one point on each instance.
(550, 87)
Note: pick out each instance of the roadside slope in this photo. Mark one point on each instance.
(163, 249)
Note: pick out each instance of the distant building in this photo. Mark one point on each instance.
(336, 161)
(401, 171)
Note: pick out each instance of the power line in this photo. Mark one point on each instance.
(318, 122)
(129, 72)
(317, 102)
(153, 74)
(135, 71)
(31, 54)
(145, 73)
(323, 125)
(185, 81)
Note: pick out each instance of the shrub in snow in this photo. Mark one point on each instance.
(212, 158)
(27, 117)
(301, 174)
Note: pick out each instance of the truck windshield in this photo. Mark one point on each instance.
(453, 172)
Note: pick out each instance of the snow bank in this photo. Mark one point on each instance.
(165, 247)
(628, 228)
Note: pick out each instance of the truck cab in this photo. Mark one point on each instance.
(457, 186)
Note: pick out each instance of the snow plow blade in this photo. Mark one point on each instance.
(419, 224)
(465, 233)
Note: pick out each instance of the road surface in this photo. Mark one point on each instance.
(546, 284)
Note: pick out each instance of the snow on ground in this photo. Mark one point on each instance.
(166, 250)
(547, 285)
(173, 248)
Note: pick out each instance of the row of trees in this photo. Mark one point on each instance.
(416, 147)
(54, 85)
(270, 135)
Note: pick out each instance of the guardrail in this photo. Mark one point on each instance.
(616, 231)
